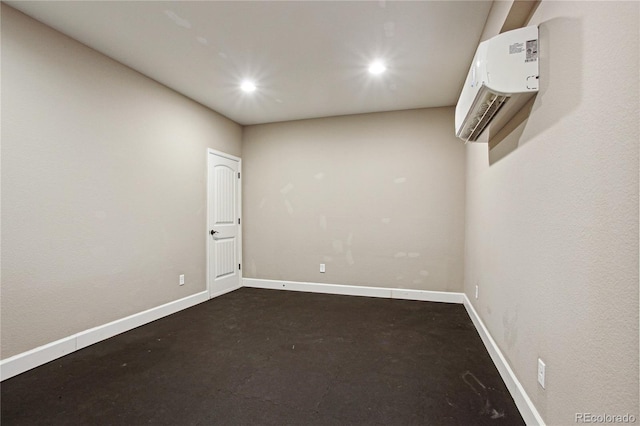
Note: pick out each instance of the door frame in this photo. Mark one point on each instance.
(211, 151)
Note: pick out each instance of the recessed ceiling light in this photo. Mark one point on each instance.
(248, 86)
(377, 67)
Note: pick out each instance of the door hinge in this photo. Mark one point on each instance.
(239, 266)
(238, 221)
(238, 175)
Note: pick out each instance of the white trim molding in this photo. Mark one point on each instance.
(226, 290)
(354, 290)
(41, 355)
(520, 397)
(427, 295)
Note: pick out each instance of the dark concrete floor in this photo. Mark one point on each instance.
(275, 357)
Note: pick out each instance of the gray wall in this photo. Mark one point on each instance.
(103, 202)
(552, 218)
(103, 187)
(378, 198)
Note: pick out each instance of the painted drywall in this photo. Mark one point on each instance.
(378, 198)
(498, 15)
(103, 187)
(552, 218)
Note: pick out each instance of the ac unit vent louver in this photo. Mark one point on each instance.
(489, 105)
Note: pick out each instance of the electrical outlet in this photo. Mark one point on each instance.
(541, 371)
(322, 269)
(182, 279)
(476, 291)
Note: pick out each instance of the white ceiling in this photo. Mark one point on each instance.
(309, 58)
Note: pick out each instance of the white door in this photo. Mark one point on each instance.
(223, 231)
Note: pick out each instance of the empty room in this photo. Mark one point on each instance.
(319, 212)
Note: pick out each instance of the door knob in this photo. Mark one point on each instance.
(213, 232)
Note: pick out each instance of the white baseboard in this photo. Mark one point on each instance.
(520, 397)
(317, 287)
(522, 400)
(427, 295)
(41, 355)
(225, 291)
(354, 290)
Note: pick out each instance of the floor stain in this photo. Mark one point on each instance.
(481, 390)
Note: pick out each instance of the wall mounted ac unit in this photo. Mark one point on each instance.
(502, 78)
